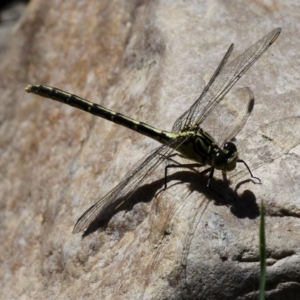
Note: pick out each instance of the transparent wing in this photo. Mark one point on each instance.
(185, 120)
(122, 192)
(241, 120)
(229, 117)
(222, 81)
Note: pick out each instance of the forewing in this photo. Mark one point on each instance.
(219, 86)
(185, 120)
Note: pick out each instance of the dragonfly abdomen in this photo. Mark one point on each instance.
(100, 111)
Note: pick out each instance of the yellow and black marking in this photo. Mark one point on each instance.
(100, 111)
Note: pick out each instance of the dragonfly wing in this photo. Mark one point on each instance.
(186, 118)
(107, 205)
(222, 82)
(229, 117)
(241, 118)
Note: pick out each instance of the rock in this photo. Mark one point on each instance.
(149, 61)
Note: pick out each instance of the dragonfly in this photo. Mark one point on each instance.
(187, 138)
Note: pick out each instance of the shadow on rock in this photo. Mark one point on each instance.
(241, 205)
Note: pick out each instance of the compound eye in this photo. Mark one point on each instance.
(230, 147)
(219, 160)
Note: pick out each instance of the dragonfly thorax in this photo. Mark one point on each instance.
(201, 147)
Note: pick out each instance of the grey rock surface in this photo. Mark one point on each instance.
(149, 60)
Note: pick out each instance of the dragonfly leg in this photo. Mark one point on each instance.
(242, 161)
(211, 174)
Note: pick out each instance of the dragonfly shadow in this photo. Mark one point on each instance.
(144, 193)
(241, 205)
(247, 205)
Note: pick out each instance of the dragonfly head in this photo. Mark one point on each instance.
(225, 159)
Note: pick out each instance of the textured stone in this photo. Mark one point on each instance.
(149, 60)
